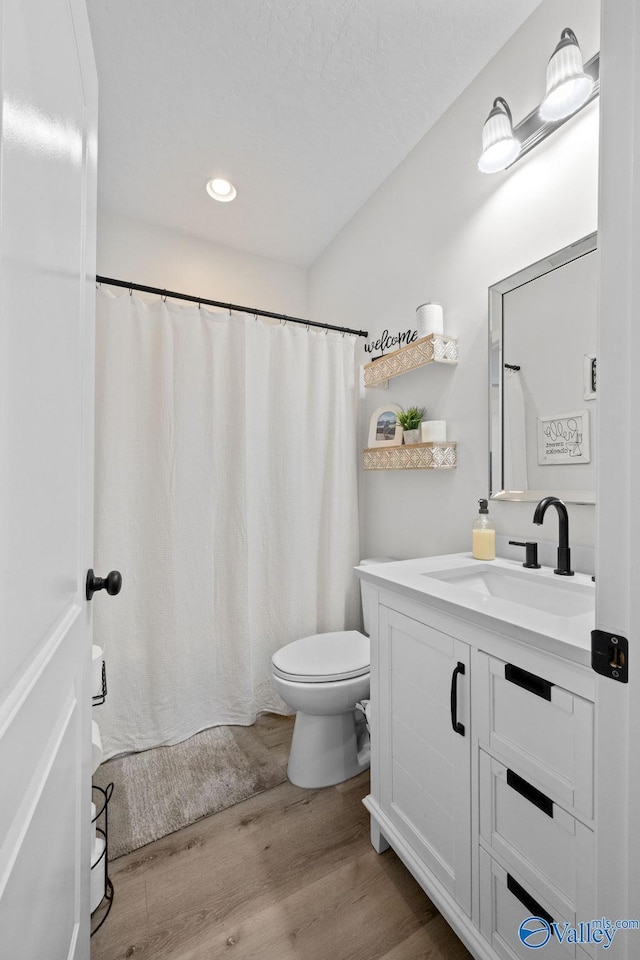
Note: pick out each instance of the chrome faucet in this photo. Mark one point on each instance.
(564, 553)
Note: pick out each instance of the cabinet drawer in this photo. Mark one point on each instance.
(547, 846)
(504, 903)
(539, 728)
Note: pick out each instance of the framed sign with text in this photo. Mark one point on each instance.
(564, 438)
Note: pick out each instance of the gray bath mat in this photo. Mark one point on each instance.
(160, 790)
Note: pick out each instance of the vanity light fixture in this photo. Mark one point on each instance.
(571, 85)
(568, 86)
(499, 146)
(222, 190)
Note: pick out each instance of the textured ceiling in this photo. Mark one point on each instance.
(306, 105)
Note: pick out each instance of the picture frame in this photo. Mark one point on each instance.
(384, 430)
(589, 376)
(564, 438)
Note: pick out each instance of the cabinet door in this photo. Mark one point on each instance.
(425, 783)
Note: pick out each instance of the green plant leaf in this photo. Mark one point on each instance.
(411, 418)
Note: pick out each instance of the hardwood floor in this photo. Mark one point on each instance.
(287, 875)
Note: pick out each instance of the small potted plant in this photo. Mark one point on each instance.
(410, 421)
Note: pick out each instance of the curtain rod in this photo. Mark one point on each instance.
(227, 306)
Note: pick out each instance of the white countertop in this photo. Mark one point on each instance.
(566, 636)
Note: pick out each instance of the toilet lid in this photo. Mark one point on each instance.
(323, 657)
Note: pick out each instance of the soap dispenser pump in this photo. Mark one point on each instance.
(484, 534)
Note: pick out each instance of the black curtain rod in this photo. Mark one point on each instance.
(227, 306)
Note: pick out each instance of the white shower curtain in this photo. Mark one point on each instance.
(226, 495)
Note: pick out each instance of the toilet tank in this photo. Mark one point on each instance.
(366, 588)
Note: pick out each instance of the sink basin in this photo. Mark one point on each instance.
(561, 596)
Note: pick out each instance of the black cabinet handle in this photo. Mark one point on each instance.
(528, 681)
(457, 726)
(527, 900)
(530, 793)
(112, 583)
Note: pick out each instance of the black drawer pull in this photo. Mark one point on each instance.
(530, 793)
(527, 901)
(528, 681)
(455, 723)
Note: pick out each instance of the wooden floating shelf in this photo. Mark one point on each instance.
(411, 456)
(432, 349)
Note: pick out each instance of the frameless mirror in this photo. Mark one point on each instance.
(542, 378)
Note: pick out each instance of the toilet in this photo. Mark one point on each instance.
(322, 677)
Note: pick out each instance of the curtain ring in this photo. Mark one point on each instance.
(131, 290)
(326, 331)
(307, 328)
(164, 298)
(199, 305)
(229, 305)
(255, 317)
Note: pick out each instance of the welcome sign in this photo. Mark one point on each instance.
(388, 341)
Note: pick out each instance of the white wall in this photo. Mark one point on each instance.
(152, 256)
(437, 229)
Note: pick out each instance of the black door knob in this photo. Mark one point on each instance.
(112, 583)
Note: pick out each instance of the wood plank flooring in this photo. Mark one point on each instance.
(287, 875)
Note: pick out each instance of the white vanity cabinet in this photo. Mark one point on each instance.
(482, 771)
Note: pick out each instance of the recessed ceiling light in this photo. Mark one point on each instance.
(221, 190)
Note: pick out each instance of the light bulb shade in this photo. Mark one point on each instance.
(499, 146)
(568, 86)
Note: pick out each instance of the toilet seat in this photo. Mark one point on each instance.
(323, 657)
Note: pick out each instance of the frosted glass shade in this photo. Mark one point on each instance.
(568, 86)
(499, 146)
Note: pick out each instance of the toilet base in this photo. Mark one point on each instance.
(324, 750)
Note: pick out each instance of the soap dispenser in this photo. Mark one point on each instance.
(484, 534)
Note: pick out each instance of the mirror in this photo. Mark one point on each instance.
(542, 378)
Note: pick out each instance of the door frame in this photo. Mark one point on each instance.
(89, 76)
(617, 508)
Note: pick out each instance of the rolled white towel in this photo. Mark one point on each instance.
(96, 671)
(364, 707)
(98, 873)
(97, 746)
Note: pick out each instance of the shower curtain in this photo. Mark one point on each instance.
(226, 496)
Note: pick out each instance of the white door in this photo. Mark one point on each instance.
(48, 89)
